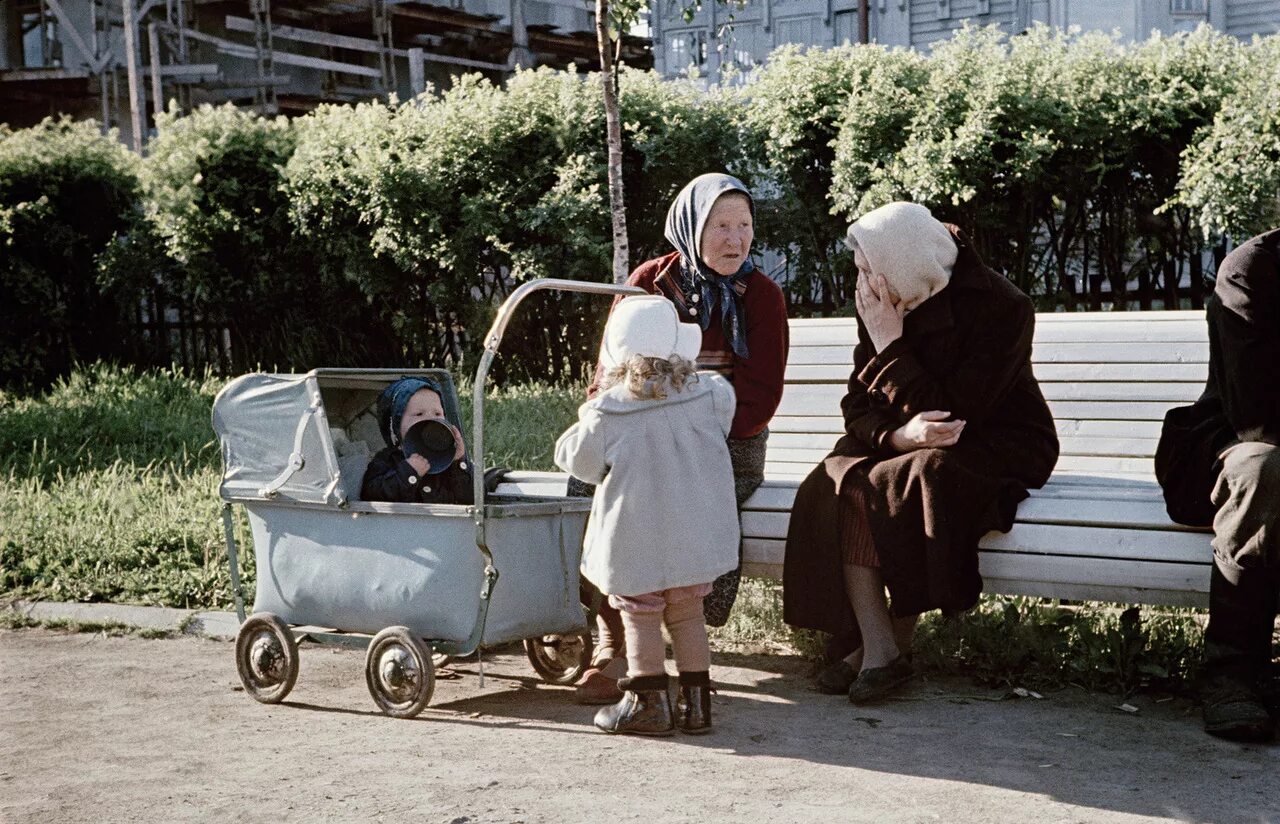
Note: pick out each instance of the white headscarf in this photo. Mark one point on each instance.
(911, 248)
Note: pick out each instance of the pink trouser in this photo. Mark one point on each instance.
(680, 608)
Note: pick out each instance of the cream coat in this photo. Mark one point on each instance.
(664, 513)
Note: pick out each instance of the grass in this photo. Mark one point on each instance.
(108, 492)
(108, 483)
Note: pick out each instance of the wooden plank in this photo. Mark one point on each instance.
(1181, 393)
(777, 495)
(830, 354)
(814, 335)
(832, 424)
(1140, 468)
(1136, 331)
(1129, 372)
(1147, 316)
(1023, 570)
(1112, 447)
(1140, 515)
(1084, 488)
(800, 371)
(1065, 400)
(819, 373)
(1085, 479)
(1074, 591)
(1068, 428)
(785, 454)
(802, 440)
(1185, 352)
(69, 30)
(1108, 410)
(320, 38)
(245, 52)
(1103, 542)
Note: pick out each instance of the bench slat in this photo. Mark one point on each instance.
(1114, 401)
(793, 447)
(1074, 372)
(1185, 352)
(1174, 393)
(1109, 410)
(839, 352)
(1060, 511)
(1136, 331)
(1096, 579)
(1130, 372)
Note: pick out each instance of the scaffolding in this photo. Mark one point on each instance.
(122, 61)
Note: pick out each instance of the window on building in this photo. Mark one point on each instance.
(846, 25)
(685, 50)
(745, 46)
(803, 30)
(1188, 6)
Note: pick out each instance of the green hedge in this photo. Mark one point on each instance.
(380, 234)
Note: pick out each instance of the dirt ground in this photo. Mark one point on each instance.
(122, 729)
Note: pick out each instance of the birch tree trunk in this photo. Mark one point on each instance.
(617, 203)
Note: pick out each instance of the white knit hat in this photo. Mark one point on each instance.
(911, 248)
(647, 325)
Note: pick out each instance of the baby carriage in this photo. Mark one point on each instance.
(426, 581)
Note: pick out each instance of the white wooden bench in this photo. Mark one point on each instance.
(1097, 531)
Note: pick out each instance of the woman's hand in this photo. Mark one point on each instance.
(927, 430)
(879, 309)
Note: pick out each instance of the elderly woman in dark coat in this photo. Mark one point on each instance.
(945, 431)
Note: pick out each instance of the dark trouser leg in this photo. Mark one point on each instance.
(1242, 592)
(1246, 549)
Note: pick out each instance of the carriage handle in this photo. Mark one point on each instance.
(491, 342)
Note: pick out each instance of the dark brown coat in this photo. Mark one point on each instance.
(1241, 399)
(966, 350)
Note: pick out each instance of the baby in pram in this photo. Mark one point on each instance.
(399, 472)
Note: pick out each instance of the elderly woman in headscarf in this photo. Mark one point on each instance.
(945, 431)
(712, 281)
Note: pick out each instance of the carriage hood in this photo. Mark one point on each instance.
(282, 434)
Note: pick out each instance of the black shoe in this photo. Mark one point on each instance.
(693, 708)
(1234, 709)
(836, 678)
(878, 683)
(645, 708)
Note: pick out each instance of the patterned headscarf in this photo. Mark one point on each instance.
(685, 221)
(394, 399)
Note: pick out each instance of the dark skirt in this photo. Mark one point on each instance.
(855, 529)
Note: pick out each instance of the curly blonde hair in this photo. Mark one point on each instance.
(649, 378)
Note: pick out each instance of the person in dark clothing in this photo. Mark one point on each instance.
(398, 473)
(1218, 462)
(945, 431)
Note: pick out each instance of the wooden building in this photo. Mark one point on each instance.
(74, 56)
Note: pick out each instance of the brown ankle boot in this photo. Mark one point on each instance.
(693, 709)
(645, 708)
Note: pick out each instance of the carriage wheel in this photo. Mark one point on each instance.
(266, 657)
(559, 659)
(399, 672)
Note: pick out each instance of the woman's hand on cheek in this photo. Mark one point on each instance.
(879, 313)
(926, 430)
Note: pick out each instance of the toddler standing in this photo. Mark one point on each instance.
(664, 520)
